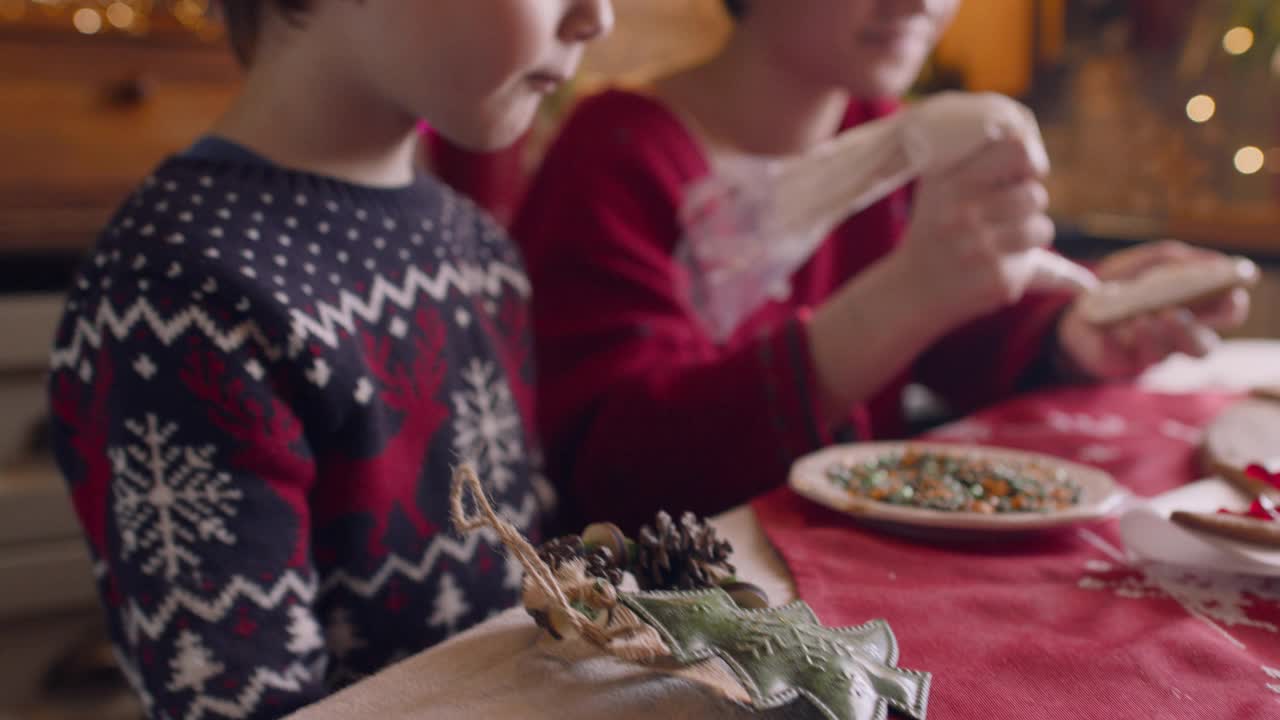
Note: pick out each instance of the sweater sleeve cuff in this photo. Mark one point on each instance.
(791, 387)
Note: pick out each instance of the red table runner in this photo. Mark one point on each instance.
(1055, 626)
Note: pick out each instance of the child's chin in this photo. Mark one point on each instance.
(492, 134)
(889, 79)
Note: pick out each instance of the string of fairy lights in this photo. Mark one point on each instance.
(135, 17)
(1240, 41)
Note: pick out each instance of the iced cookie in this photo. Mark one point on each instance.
(1175, 285)
(1244, 434)
(1234, 527)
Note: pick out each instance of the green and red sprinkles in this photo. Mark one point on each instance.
(958, 483)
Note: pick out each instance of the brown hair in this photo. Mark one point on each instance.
(243, 19)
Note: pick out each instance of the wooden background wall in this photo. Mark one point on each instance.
(84, 118)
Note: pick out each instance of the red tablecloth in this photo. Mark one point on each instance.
(1058, 626)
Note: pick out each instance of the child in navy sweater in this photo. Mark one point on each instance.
(284, 340)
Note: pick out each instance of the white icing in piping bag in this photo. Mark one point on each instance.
(754, 221)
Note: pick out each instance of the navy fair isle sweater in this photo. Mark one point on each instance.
(260, 386)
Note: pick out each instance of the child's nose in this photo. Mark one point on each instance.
(587, 20)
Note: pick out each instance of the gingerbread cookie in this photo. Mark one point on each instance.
(1166, 286)
(1245, 434)
(1233, 527)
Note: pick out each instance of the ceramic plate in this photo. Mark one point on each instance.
(1247, 432)
(1100, 496)
(1149, 534)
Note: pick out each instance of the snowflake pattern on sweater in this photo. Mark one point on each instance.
(260, 386)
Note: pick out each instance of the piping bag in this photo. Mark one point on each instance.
(753, 221)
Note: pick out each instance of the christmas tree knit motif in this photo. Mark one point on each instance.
(450, 606)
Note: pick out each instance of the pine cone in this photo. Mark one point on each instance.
(560, 550)
(683, 556)
(598, 562)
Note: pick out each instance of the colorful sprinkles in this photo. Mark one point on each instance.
(957, 483)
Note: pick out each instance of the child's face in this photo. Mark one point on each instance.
(475, 69)
(870, 47)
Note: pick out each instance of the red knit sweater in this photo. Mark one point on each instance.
(639, 408)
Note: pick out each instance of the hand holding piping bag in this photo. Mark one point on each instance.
(979, 234)
(753, 221)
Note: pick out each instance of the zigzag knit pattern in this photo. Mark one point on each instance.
(260, 386)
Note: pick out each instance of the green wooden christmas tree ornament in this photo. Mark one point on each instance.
(783, 655)
(776, 656)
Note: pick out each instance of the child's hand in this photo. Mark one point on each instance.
(1123, 350)
(968, 227)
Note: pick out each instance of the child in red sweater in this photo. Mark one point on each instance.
(285, 340)
(640, 409)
